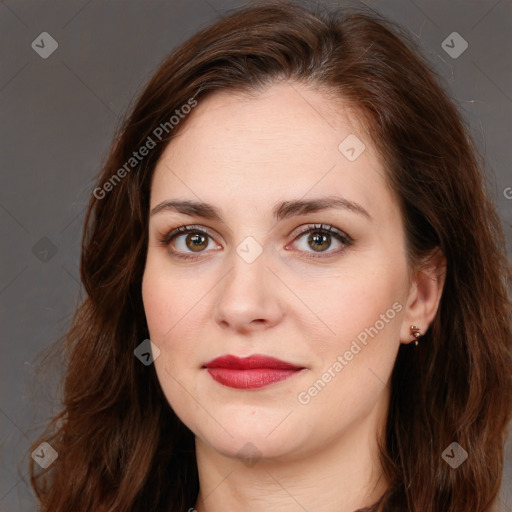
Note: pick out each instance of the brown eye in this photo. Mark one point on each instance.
(319, 241)
(186, 240)
(196, 242)
(321, 238)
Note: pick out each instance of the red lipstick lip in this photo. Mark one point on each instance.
(253, 362)
(251, 372)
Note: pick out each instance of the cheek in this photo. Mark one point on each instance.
(363, 309)
(175, 307)
(354, 363)
(168, 298)
(169, 315)
(351, 303)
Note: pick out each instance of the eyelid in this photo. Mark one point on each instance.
(323, 227)
(169, 235)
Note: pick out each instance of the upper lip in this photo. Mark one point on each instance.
(250, 363)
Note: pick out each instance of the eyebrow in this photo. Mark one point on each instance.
(280, 211)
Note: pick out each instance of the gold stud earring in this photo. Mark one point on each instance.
(415, 331)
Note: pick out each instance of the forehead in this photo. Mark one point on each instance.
(268, 145)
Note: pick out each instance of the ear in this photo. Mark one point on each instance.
(424, 295)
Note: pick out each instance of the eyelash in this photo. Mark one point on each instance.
(339, 235)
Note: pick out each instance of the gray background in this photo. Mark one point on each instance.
(58, 118)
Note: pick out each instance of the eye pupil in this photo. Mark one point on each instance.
(198, 241)
(319, 241)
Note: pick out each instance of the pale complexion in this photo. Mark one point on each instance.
(244, 155)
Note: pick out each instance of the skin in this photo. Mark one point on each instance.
(243, 154)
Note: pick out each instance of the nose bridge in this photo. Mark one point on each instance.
(248, 263)
(246, 295)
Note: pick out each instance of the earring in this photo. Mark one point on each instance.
(415, 331)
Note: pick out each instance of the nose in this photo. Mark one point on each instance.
(248, 297)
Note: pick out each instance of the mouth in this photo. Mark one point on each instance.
(251, 372)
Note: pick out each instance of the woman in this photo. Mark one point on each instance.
(295, 282)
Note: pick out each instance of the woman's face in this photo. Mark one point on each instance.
(333, 305)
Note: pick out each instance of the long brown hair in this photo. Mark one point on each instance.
(121, 447)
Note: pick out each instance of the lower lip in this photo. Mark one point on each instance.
(250, 379)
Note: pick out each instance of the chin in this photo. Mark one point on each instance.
(249, 449)
(248, 440)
